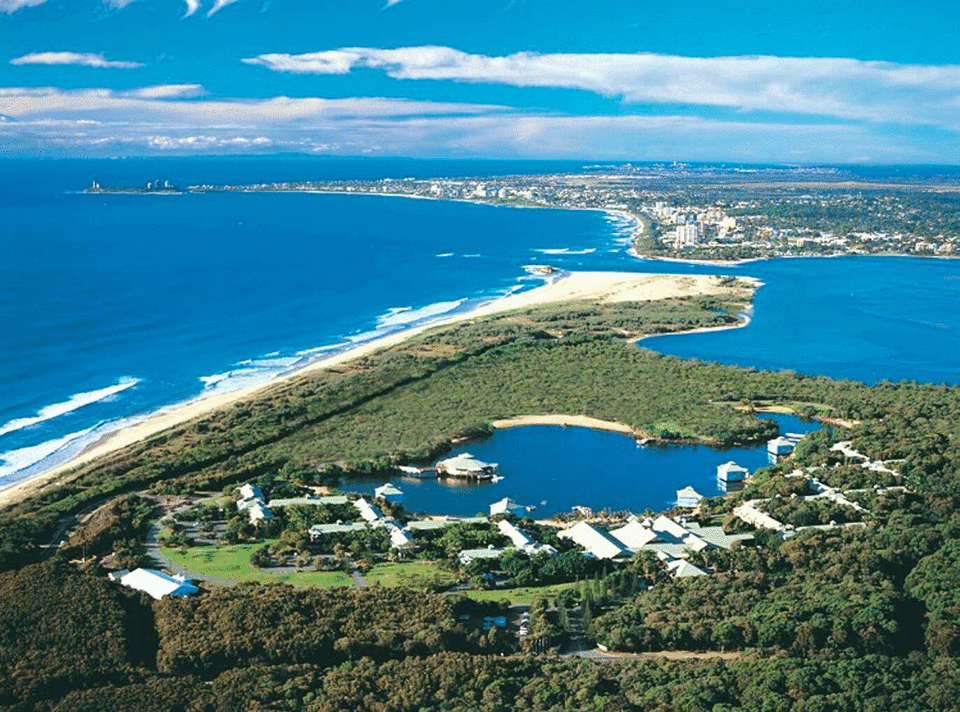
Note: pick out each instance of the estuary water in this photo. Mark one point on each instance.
(116, 306)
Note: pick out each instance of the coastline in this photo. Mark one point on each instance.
(572, 286)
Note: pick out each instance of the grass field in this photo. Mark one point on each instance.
(414, 573)
(233, 563)
(521, 596)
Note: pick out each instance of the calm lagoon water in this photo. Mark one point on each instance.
(555, 468)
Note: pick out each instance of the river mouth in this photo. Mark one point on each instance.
(553, 469)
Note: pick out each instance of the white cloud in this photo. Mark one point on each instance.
(839, 87)
(11, 6)
(165, 103)
(172, 119)
(82, 59)
(168, 91)
(192, 7)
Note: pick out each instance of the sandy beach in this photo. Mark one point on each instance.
(579, 421)
(596, 286)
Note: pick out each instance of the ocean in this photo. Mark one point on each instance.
(116, 306)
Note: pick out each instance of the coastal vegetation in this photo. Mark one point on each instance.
(858, 617)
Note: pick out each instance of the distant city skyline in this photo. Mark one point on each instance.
(740, 81)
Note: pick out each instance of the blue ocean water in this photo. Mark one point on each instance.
(553, 469)
(114, 306)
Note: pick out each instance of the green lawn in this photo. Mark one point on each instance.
(233, 563)
(522, 596)
(414, 573)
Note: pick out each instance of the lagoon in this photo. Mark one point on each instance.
(554, 468)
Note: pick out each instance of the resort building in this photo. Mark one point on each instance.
(514, 534)
(251, 501)
(399, 538)
(249, 491)
(467, 466)
(422, 525)
(334, 499)
(634, 535)
(468, 556)
(521, 540)
(259, 512)
(318, 531)
(389, 492)
(156, 583)
(730, 476)
(507, 506)
(597, 542)
(749, 513)
(368, 512)
(688, 497)
(681, 568)
(779, 448)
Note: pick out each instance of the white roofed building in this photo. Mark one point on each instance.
(688, 497)
(730, 476)
(634, 536)
(468, 556)
(389, 492)
(466, 465)
(597, 542)
(680, 568)
(398, 537)
(368, 512)
(259, 512)
(779, 448)
(158, 584)
(249, 491)
(507, 506)
(514, 534)
(318, 531)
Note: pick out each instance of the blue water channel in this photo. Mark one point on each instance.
(554, 468)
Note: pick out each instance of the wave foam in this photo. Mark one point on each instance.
(251, 373)
(21, 461)
(565, 251)
(74, 402)
(404, 316)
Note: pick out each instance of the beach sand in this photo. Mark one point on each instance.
(579, 421)
(595, 286)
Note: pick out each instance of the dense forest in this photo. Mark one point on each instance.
(863, 617)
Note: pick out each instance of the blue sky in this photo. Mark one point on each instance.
(747, 81)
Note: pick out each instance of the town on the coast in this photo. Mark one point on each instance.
(701, 213)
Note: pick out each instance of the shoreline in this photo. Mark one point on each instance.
(576, 421)
(569, 286)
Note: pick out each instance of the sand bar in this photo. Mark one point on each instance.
(579, 421)
(594, 286)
